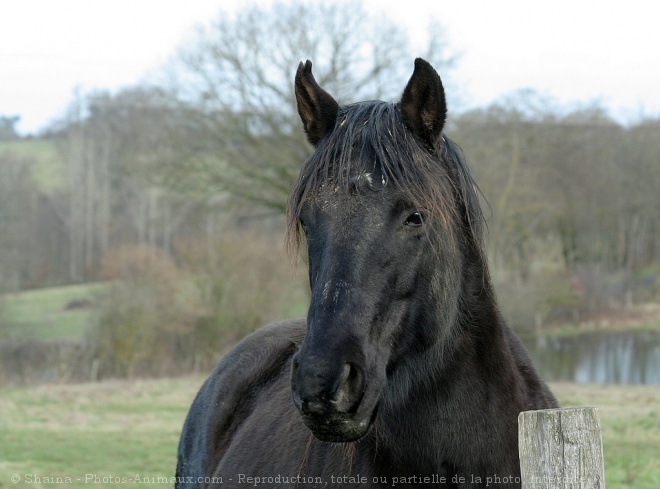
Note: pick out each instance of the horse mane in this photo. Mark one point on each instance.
(372, 137)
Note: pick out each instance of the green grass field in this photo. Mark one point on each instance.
(42, 314)
(99, 434)
(107, 430)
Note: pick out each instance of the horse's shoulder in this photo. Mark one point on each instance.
(258, 353)
(259, 359)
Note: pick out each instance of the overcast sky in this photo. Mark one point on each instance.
(576, 51)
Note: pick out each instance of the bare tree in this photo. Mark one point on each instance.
(237, 78)
(113, 145)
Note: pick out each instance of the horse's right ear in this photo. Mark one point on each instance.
(317, 109)
(423, 103)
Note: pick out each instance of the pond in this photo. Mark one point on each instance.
(605, 358)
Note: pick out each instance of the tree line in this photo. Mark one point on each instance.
(138, 169)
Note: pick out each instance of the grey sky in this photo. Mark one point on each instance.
(573, 50)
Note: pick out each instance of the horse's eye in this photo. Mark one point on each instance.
(414, 220)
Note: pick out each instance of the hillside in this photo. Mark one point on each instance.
(45, 160)
(48, 314)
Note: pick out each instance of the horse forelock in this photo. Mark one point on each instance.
(371, 142)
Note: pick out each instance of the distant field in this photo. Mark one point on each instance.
(122, 429)
(48, 165)
(43, 314)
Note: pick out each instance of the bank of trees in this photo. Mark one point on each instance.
(579, 179)
(574, 205)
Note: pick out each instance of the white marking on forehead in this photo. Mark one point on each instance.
(326, 290)
(338, 287)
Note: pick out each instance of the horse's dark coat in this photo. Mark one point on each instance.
(404, 366)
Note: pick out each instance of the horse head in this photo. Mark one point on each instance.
(377, 211)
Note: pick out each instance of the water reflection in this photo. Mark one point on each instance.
(613, 358)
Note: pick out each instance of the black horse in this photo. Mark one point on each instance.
(404, 371)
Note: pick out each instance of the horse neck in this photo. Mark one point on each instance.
(442, 380)
(473, 326)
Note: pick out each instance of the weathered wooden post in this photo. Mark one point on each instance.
(561, 449)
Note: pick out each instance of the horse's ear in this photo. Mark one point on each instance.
(317, 108)
(423, 103)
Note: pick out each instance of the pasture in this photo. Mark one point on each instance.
(112, 433)
(44, 313)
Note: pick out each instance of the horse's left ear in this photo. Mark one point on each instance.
(423, 103)
(317, 109)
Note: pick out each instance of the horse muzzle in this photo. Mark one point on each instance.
(329, 396)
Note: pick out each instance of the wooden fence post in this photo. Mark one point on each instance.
(561, 449)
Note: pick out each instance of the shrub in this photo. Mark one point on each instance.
(140, 315)
(243, 281)
(162, 318)
(544, 296)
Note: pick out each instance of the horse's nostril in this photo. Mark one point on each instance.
(321, 388)
(348, 394)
